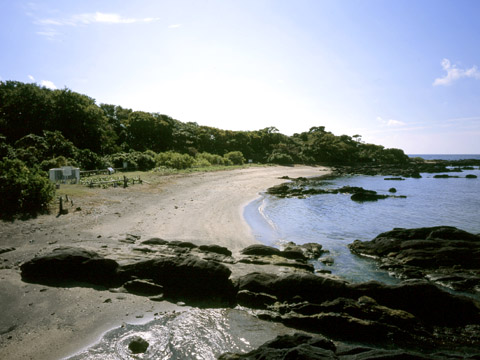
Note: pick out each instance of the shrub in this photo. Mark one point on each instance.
(145, 161)
(213, 159)
(201, 162)
(235, 157)
(116, 160)
(280, 158)
(174, 160)
(24, 190)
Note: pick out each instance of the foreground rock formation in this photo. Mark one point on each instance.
(444, 255)
(302, 346)
(375, 319)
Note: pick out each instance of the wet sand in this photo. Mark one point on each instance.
(42, 322)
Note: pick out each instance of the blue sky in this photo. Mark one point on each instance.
(402, 73)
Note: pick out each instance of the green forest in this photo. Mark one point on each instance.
(42, 128)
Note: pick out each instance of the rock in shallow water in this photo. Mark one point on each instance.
(138, 345)
(446, 255)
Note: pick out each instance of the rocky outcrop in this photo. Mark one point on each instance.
(411, 315)
(416, 315)
(303, 346)
(185, 278)
(445, 255)
(182, 277)
(67, 264)
(312, 187)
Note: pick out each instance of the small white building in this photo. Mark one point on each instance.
(64, 174)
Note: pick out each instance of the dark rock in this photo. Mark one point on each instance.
(424, 300)
(308, 250)
(279, 190)
(143, 249)
(367, 196)
(254, 261)
(296, 265)
(402, 314)
(185, 277)
(293, 254)
(70, 264)
(261, 250)
(443, 254)
(155, 241)
(471, 176)
(392, 190)
(6, 249)
(394, 179)
(297, 346)
(444, 176)
(306, 347)
(143, 287)
(138, 345)
(216, 249)
(183, 244)
(285, 287)
(312, 250)
(255, 300)
(328, 260)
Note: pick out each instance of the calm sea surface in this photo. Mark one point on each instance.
(335, 221)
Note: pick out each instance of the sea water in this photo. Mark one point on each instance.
(335, 221)
(200, 334)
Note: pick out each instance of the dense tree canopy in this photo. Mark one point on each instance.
(39, 124)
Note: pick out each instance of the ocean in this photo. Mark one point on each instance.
(335, 221)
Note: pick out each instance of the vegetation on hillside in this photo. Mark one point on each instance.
(42, 128)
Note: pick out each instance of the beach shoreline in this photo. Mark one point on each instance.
(45, 322)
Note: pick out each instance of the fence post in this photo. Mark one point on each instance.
(125, 180)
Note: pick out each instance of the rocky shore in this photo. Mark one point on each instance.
(134, 254)
(371, 319)
(444, 255)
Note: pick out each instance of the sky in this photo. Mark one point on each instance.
(400, 73)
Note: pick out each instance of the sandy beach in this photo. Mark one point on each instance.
(41, 322)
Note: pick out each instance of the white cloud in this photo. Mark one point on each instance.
(31, 77)
(49, 33)
(390, 122)
(454, 73)
(48, 84)
(174, 26)
(94, 18)
(49, 26)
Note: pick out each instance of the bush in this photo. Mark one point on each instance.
(235, 157)
(174, 160)
(201, 163)
(24, 190)
(213, 159)
(280, 158)
(145, 161)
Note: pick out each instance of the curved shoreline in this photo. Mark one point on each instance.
(54, 322)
